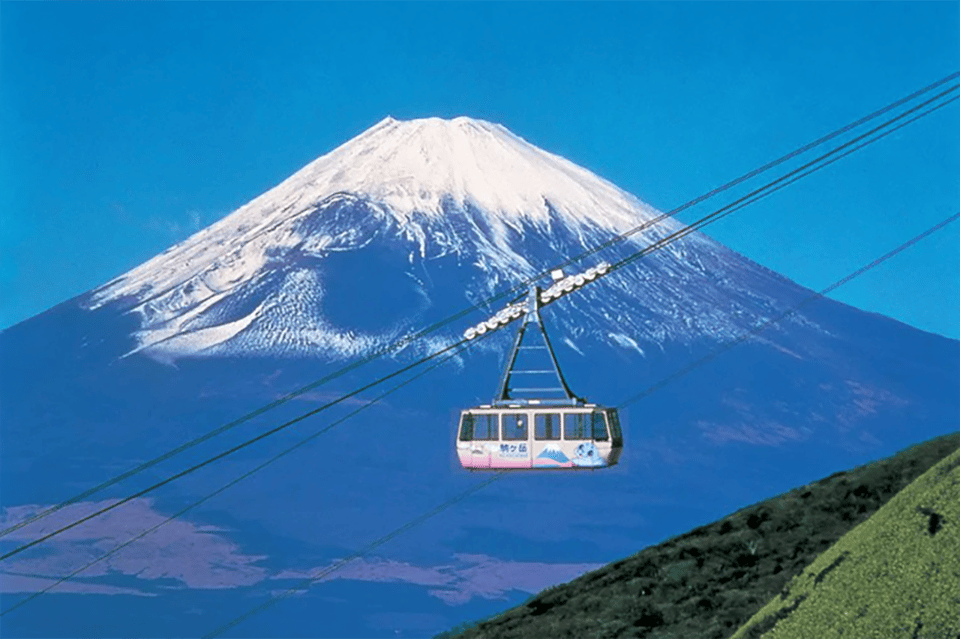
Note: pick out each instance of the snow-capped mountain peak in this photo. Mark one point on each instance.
(413, 166)
(359, 244)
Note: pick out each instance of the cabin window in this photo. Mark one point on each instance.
(466, 427)
(599, 427)
(485, 427)
(576, 426)
(514, 426)
(474, 426)
(614, 419)
(546, 426)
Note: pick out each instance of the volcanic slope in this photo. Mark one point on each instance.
(706, 583)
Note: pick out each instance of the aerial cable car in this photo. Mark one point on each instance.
(535, 421)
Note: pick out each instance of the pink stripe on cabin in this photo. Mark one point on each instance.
(510, 463)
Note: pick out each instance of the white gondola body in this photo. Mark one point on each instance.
(531, 437)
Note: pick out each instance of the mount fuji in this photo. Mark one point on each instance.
(390, 213)
(397, 229)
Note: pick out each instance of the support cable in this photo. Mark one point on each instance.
(723, 348)
(235, 481)
(227, 452)
(796, 174)
(403, 342)
(305, 583)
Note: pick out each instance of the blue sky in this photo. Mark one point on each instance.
(125, 127)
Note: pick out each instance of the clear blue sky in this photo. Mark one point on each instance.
(125, 127)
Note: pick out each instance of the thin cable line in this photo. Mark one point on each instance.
(330, 569)
(619, 238)
(839, 157)
(767, 324)
(235, 481)
(305, 583)
(403, 342)
(729, 208)
(658, 245)
(230, 451)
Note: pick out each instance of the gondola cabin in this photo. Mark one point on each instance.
(535, 421)
(529, 436)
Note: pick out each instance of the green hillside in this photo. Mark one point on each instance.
(707, 583)
(895, 575)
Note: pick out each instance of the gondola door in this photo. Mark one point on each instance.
(477, 440)
(547, 451)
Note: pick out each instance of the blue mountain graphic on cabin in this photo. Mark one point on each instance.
(555, 454)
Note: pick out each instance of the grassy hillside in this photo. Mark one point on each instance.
(708, 582)
(895, 575)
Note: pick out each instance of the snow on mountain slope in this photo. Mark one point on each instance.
(384, 213)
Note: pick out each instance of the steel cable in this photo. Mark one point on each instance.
(676, 375)
(235, 481)
(303, 584)
(402, 343)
